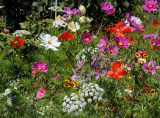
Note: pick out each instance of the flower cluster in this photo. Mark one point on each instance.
(17, 42)
(87, 94)
(59, 23)
(141, 54)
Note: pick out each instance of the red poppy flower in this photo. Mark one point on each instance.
(156, 24)
(119, 29)
(116, 70)
(66, 36)
(17, 42)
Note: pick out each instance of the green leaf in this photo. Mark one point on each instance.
(35, 4)
(40, 8)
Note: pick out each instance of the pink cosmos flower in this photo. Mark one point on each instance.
(152, 68)
(108, 8)
(86, 37)
(150, 5)
(103, 44)
(41, 92)
(121, 42)
(40, 67)
(112, 50)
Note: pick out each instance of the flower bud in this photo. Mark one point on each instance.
(155, 36)
(82, 9)
(149, 64)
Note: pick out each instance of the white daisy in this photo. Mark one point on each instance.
(73, 26)
(49, 42)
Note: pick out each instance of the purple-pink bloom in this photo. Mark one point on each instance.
(108, 8)
(151, 69)
(112, 50)
(100, 72)
(158, 40)
(65, 16)
(133, 23)
(79, 66)
(69, 12)
(148, 36)
(150, 5)
(103, 44)
(121, 42)
(40, 67)
(86, 37)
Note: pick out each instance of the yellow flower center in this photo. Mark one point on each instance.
(120, 43)
(87, 39)
(73, 27)
(39, 68)
(71, 13)
(49, 42)
(150, 6)
(105, 44)
(149, 68)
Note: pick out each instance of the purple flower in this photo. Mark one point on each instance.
(150, 5)
(65, 16)
(148, 36)
(40, 67)
(86, 37)
(112, 50)
(103, 44)
(133, 23)
(79, 66)
(100, 72)
(121, 42)
(108, 8)
(69, 12)
(152, 68)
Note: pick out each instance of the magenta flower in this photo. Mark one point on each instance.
(121, 42)
(158, 40)
(112, 50)
(69, 12)
(41, 92)
(150, 5)
(86, 37)
(133, 23)
(103, 44)
(108, 8)
(148, 36)
(40, 67)
(152, 68)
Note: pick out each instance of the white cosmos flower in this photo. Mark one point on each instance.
(73, 26)
(49, 42)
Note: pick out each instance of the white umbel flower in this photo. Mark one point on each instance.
(49, 42)
(7, 91)
(73, 26)
(59, 23)
(19, 33)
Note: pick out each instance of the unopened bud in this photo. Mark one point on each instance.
(149, 64)
(155, 36)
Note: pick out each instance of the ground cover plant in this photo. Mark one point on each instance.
(60, 68)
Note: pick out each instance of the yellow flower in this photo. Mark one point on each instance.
(138, 54)
(83, 19)
(145, 55)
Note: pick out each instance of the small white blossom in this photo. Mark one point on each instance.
(73, 26)
(89, 100)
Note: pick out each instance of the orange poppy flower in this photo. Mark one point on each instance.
(116, 70)
(119, 29)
